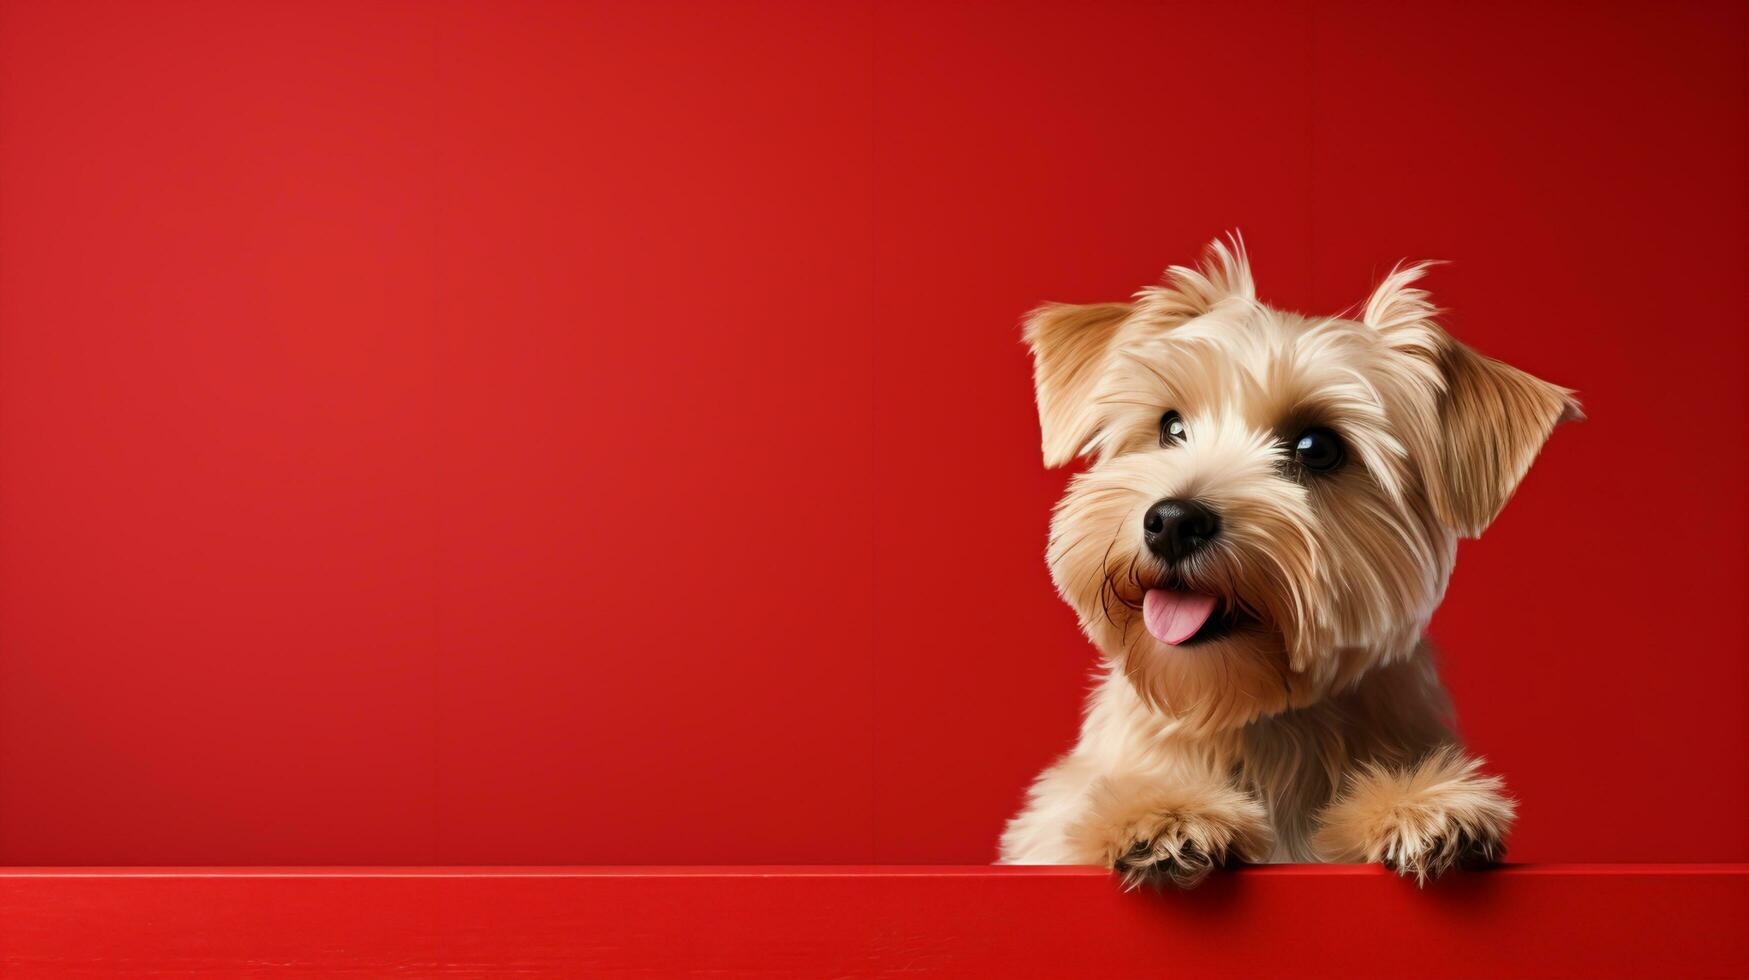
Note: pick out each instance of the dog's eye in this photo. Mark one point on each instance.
(1171, 429)
(1319, 450)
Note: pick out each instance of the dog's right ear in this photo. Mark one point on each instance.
(1070, 345)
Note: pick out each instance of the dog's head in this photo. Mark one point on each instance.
(1273, 500)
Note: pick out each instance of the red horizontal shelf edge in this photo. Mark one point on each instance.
(811, 871)
(1542, 920)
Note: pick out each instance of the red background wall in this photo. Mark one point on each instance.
(497, 433)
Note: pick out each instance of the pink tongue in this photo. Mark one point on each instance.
(1174, 617)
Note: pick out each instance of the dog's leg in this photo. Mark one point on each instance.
(1418, 821)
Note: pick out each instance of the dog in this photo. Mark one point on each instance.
(1268, 520)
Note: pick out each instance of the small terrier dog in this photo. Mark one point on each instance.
(1269, 520)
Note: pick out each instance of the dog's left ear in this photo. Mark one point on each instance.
(1492, 419)
(1070, 345)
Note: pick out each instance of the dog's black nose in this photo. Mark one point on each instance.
(1177, 529)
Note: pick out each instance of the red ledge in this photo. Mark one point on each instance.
(1532, 920)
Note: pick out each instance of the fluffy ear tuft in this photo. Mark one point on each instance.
(1070, 345)
(1493, 420)
(1224, 272)
(1396, 303)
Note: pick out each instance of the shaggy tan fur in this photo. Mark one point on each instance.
(1301, 731)
(1421, 820)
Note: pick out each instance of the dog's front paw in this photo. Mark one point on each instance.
(1181, 848)
(1429, 847)
(1154, 837)
(1439, 815)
